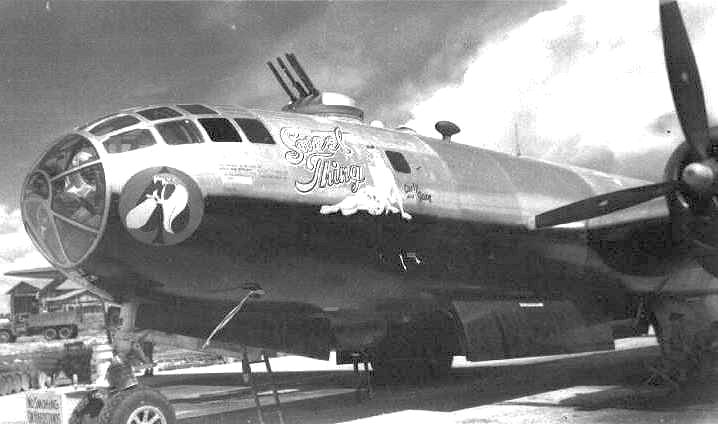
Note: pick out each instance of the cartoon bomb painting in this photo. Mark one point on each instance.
(161, 206)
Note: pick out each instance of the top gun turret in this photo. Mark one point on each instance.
(307, 99)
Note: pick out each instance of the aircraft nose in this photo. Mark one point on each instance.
(64, 201)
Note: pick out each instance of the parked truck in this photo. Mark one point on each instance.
(52, 325)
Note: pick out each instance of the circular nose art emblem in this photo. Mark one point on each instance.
(161, 206)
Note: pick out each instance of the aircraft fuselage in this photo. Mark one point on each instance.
(200, 202)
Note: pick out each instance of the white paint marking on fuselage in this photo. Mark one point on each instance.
(383, 196)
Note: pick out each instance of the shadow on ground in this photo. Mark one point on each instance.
(613, 380)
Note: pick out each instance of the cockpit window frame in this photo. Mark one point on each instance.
(63, 146)
(398, 161)
(196, 109)
(89, 225)
(151, 114)
(193, 123)
(204, 122)
(266, 139)
(130, 120)
(149, 131)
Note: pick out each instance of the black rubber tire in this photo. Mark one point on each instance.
(15, 383)
(24, 381)
(87, 410)
(5, 336)
(5, 382)
(120, 406)
(65, 332)
(49, 333)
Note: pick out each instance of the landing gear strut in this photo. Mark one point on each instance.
(364, 384)
(125, 400)
(688, 340)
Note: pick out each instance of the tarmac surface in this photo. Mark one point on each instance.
(602, 387)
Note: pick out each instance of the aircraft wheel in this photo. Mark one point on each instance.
(5, 336)
(65, 332)
(50, 333)
(137, 405)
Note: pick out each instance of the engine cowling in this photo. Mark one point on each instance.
(694, 217)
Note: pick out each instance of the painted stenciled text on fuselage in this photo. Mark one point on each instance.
(325, 156)
(413, 191)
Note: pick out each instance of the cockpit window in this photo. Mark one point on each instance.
(255, 131)
(71, 152)
(79, 196)
(197, 109)
(130, 140)
(114, 125)
(179, 132)
(63, 201)
(96, 121)
(159, 113)
(220, 130)
(398, 162)
(37, 187)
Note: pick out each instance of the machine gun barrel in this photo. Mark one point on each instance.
(302, 91)
(291, 95)
(292, 59)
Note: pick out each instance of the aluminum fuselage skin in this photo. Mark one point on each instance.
(268, 221)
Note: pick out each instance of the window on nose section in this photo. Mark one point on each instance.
(37, 187)
(220, 130)
(179, 132)
(114, 124)
(159, 113)
(63, 201)
(255, 131)
(70, 152)
(130, 140)
(79, 196)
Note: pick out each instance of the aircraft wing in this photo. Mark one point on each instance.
(43, 273)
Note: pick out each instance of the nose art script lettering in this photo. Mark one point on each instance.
(326, 158)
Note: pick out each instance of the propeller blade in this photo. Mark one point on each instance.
(604, 204)
(684, 79)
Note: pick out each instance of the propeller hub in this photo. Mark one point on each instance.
(699, 176)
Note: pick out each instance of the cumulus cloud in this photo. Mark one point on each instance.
(16, 249)
(584, 83)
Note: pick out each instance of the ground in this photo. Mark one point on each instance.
(604, 387)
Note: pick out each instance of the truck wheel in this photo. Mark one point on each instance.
(24, 381)
(65, 332)
(5, 336)
(15, 383)
(50, 333)
(87, 410)
(137, 405)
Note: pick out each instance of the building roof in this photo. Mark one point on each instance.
(69, 295)
(28, 287)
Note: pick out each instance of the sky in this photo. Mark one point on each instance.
(573, 81)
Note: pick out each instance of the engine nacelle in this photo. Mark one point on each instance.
(694, 218)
